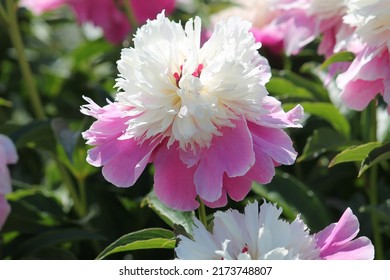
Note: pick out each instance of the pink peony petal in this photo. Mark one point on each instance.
(270, 37)
(335, 241)
(358, 249)
(276, 117)
(5, 209)
(237, 187)
(123, 160)
(263, 170)
(148, 10)
(220, 202)
(5, 179)
(273, 142)
(8, 155)
(232, 153)
(173, 180)
(338, 233)
(358, 94)
(8, 150)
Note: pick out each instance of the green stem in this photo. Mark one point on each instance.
(83, 195)
(130, 15)
(3, 14)
(202, 213)
(78, 205)
(370, 130)
(17, 42)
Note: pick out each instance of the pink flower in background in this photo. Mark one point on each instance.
(260, 13)
(201, 114)
(8, 155)
(5, 209)
(106, 13)
(336, 241)
(299, 22)
(262, 235)
(369, 74)
(41, 6)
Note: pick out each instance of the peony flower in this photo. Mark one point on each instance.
(253, 235)
(260, 13)
(8, 155)
(201, 114)
(106, 13)
(369, 74)
(262, 235)
(300, 22)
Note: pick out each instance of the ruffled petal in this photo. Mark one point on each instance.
(232, 153)
(263, 170)
(173, 180)
(128, 161)
(276, 117)
(273, 142)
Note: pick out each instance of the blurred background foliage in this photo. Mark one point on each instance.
(62, 208)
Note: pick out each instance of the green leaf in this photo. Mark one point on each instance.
(330, 113)
(33, 211)
(354, 153)
(170, 216)
(338, 57)
(322, 140)
(152, 238)
(317, 89)
(285, 89)
(295, 197)
(5, 103)
(54, 237)
(375, 156)
(90, 50)
(37, 134)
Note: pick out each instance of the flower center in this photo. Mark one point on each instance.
(196, 73)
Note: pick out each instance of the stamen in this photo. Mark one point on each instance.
(196, 73)
(177, 78)
(244, 250)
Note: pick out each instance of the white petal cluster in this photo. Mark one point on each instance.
(174, 87)
(371, 19)
(327, 9)
(253, 235)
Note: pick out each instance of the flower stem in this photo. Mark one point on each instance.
(130, 15)
(3, 14)
(83, 196)
(78, 205)
(202, 213)
(370, 130)
(17, 41)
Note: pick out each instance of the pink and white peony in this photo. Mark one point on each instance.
(201, 114)
(302, 21)
(369, 74)
(263, 235)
